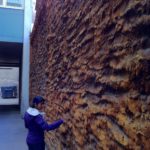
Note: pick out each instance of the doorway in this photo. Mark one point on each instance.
(9, 86)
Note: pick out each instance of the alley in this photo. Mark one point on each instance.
(12, 131)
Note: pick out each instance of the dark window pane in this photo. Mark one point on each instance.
(1, 2)
(14, 3)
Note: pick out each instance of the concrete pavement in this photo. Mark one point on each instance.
(12, 130)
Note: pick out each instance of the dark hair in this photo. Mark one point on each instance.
(36, 100)
(32, 105)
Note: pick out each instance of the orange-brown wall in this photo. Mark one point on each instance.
(93, 58)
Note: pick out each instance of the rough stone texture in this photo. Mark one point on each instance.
(93, 58)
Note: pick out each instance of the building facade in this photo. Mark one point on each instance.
(15, 27)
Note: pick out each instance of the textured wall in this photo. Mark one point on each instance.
(93, 58)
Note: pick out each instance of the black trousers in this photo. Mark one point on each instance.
(37, 146)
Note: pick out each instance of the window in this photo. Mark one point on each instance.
(1, 2)
(11, 3)
(14, 3)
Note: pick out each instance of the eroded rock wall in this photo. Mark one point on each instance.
(93, 58)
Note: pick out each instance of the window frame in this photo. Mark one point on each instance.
(4, 5)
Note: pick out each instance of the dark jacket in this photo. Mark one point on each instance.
(36, 126)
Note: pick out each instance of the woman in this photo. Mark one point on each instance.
(36, 125)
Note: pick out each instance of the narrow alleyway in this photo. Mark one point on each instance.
(12, 131)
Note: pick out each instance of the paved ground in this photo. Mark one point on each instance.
(12, 131)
